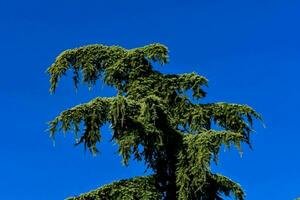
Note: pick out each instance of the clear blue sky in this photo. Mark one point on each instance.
(249, 51)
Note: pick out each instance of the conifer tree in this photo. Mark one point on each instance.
(154, 118)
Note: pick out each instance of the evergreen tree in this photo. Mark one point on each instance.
(154, 120)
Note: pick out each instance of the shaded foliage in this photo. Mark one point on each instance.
(153, 119)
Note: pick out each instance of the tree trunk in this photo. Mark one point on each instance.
(171, 193)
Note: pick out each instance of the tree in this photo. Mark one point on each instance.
(155, 120)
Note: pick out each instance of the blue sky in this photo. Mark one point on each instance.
(249, 51)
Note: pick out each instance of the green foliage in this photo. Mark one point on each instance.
(153, 119)
(233, 117)
(141, 188)
(120, 65)
(193, 169)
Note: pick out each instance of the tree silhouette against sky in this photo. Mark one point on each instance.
(155, 118)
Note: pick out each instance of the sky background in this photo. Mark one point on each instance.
(249, 51)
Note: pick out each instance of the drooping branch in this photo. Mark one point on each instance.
(198, 151)
(117, 64)
(171, 88)
(219, 185)
(93, 114)
(90, 60)
(232, 117)
(142, 188)
(134, 124)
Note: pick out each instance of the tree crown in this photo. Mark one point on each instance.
(153, 118)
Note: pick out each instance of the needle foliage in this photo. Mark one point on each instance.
(156, 118)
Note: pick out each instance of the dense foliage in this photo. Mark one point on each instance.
(142, 188)
(153, 119)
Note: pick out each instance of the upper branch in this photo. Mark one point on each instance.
(233, 117)
(93, 60)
